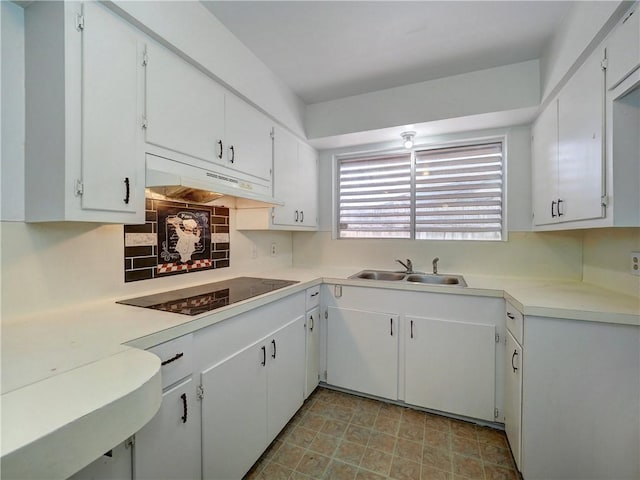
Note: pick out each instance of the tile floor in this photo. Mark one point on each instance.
(337, 436)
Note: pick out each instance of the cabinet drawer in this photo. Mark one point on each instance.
(176, 357)
(514, 321)
(313, 297)
(623, 48)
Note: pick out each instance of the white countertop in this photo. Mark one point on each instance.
(73, 353)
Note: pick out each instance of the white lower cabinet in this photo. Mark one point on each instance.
(113, 465)
(249, 396)
(450, 366)
(513, 398)
(168, 447)
(312, 325)
(362, 351)
(437, 351)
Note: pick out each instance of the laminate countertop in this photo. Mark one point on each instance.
(70, 373)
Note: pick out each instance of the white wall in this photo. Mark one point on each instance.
(511, 87)
(12, 132)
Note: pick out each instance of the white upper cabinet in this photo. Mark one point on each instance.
(84, 92)
(184, 107)
(188, 113)
(568, 151)
(623, 48)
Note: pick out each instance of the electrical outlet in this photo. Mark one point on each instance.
(274, 250)
(635, 263)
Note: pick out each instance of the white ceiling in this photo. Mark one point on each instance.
(324, 50)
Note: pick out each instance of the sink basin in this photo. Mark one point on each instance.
(453, 280)
(379, 275)
(449, 280)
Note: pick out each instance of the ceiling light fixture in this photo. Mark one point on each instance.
(407, 139)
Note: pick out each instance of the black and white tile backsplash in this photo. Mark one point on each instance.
(176, 238)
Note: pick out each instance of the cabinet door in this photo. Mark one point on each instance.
(248, 138)
(184, 107)
(307, 183)
(112, 82)
(513, 397)
(113, 465)
(285, 180)
(544, 149)
(362, 351)
(234, 413)
(285, 375)
(313, 351)
(580, 128)
(450, 366)
(623, 48)
(168, 446)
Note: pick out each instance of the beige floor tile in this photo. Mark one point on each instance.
(409, 449)
(288, 455)
(338, 470)
(387, 425)
(357, 434)
(403, 469)
(275, 471)
(349, 452)
(300, 476)
(437, 422)
(366, 475)
(439, 459)
(312, 421)
(496, 455)
(376, 461)
(494, 472)
(382, 441)
(333, 427)
(364, 418)
(468, 467)
(390, 411)
(464, 429)
(492, 436)
(341, 413)
(324, 444)
(301, 436)
(313, 464)
(430, 473)
(437, 439)
(465, 446)
(411, 430)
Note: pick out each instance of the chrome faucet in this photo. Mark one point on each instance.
(408, 266)
(435, 265)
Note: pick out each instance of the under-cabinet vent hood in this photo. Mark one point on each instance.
(190, 183)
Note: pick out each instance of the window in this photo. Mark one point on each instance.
(452, 193)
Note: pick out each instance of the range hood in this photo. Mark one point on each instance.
(182, 181)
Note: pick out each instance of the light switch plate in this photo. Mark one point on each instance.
(635, 263)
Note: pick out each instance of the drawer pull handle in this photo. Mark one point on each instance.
(510, 315)
(560, 211)
(515, 352)
(184, 407)
(221, 149)
(411, 328)
(233, 154)
(553, 213)
(127, 194)
(391, 326)
(264, 355)
(273, 355)
(315, 294)
(173, 359)
(311, 326)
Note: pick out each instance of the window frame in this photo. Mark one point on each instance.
(420, 145)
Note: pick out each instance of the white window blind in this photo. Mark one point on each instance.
(375, 197)
(453, 193)
(459, 193)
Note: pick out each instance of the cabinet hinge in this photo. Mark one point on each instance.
(272, 133)
(326, 313)
(497, 338)
(79, 188)
(79, 22)
(145, 59)
(200, 392)
(604, 64)
(130, 442)
(496, 413)
(144, 122)
(604, 200)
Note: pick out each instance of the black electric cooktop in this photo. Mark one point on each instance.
(207, 297)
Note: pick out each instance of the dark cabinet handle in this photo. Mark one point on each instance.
(411, 323)
(553, 212)
(297, 216)
(264, 355)
(233, 154)
(221, 149)
(510, 315)
(311, 324)
(391, 326)
(127, 187)
(273, 355)
(301, 216)
(184, 407)
(515, 352)
(315, 294)
(560, 211)
(173, 359)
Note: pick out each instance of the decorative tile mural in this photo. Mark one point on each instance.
(176, 238)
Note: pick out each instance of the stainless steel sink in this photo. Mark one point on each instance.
(431, 279)
(379, 275)
(453, 280)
